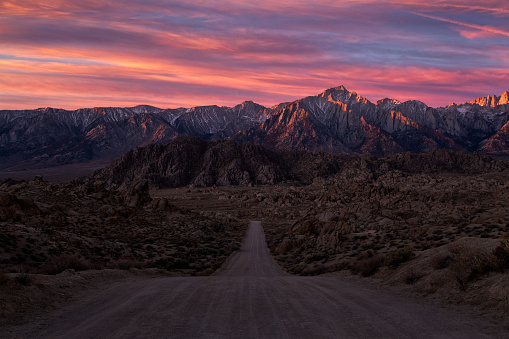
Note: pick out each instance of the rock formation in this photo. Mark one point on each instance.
(193, 161)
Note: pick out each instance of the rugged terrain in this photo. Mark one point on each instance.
(336, 121)
(49, 137)
(440, 235)
(47, 229)
(339, 121)
(434, 223)
(192, 161)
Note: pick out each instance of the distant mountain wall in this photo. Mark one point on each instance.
(335, 121)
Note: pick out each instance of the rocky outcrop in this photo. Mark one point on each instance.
(137, 195)
(493, 100)
(498, 144)
(14, 208)
(192, 161)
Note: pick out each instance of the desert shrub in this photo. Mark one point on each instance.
(317, 270)
(396, 257)
(23, 277)
(218, 263)
(468, 263)
(126, 264)
(297, 269)
(501, 261)
(314, 257)
(440, 260)
(412, 276)
(342, 265)
(4, 279)
(61, 263)
(170, 263)
(504, 241)
(181, 264)
(501, 254)
(367, 267)
(205, 272)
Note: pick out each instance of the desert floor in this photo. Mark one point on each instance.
(250, 297)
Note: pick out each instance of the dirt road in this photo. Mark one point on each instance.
(251, 298)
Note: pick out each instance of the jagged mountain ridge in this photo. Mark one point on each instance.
(193, 161)
(47, 136)
(493, 100)
(336, 120)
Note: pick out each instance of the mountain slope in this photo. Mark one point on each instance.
(49, 137)
(214, 120)
(340, 121)
(498, 144)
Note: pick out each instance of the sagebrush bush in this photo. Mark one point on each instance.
(412, 276)
(440, 260)
(317, 270)
(61, 263)
(504, 241)
(367, 267)
(4, 279)
(396, 257)
(23, 277)
(501, 254)
(126, 264)
(342, 265)
(206, 272)
(469, 262)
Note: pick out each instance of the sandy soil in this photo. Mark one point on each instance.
(251, 297)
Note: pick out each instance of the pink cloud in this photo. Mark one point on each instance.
(176, 53)
(473, 34)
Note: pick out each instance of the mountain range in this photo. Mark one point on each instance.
(335, 121)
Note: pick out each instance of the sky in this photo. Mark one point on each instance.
(179, 53)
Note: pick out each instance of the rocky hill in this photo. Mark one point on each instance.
(336, 121)
(193, 161)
